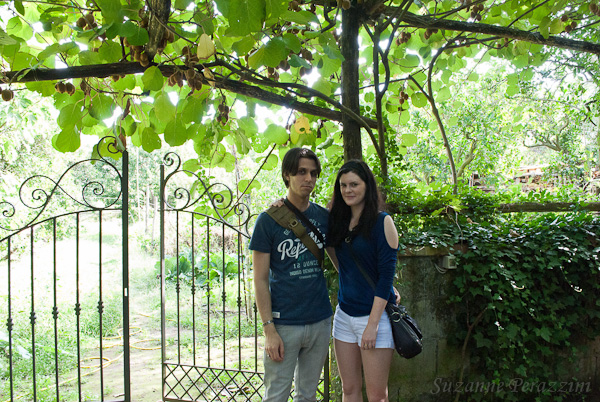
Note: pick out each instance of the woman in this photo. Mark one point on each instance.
(363, 238)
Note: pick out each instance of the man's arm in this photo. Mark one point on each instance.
(273, 342)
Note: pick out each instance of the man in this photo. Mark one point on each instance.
(291, 293)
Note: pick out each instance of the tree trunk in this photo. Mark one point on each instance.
(350, 80)
(159, 18)
(598, 144)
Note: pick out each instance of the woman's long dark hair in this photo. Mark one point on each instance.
(340, 213)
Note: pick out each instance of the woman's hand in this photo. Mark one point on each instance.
(369, 337)
(277, 203)
(398, 297)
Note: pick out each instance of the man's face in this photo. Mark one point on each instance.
(303, 182)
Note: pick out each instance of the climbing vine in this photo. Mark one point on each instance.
(525, 293)
(526, 300)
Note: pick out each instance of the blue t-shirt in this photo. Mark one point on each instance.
(378, 259)
(298, 289)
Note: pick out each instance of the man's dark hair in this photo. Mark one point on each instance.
(291, 161)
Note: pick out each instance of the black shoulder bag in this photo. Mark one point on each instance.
(405, 330)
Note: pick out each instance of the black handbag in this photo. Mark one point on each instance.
(405, 330)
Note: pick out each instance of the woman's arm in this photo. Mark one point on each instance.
(391, 233)
(369, 335)
(387, 256)
(386, 269)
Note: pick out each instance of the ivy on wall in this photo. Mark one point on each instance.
(525, 292)
(527, 300)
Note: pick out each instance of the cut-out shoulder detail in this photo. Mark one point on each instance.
(391, 233)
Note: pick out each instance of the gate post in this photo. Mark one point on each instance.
(163, 327)
(125, 228)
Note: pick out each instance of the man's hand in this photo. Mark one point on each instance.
(273, 344)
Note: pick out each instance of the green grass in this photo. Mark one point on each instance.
(112, 316)
(44, 333)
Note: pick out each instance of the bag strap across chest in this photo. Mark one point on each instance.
(286, 218)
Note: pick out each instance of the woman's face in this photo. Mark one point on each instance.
(353, 189)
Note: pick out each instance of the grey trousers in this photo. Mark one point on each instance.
(305, 348)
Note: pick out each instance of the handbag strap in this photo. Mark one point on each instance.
(288, 219)
(360, 267)
(367, 277)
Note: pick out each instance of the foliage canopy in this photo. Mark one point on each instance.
(239, 77)
(184, 71)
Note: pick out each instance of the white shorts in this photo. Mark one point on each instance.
(350, 329)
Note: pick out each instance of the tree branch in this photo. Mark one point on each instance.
(381, 90)
(437, 116)
(423, 21)
(106, 70)
(418, 21)
(468, 159)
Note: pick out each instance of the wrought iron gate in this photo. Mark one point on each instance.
(210, 340)
(40, 329)
(223, 362)
(211, 223)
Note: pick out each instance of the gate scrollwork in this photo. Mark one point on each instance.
(208, 199)
(98, 191)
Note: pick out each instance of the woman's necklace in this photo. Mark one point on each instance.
(350, 236)
(351, 232)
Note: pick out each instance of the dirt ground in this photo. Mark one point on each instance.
(145, 365)
(145, 336)
(145, 368)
